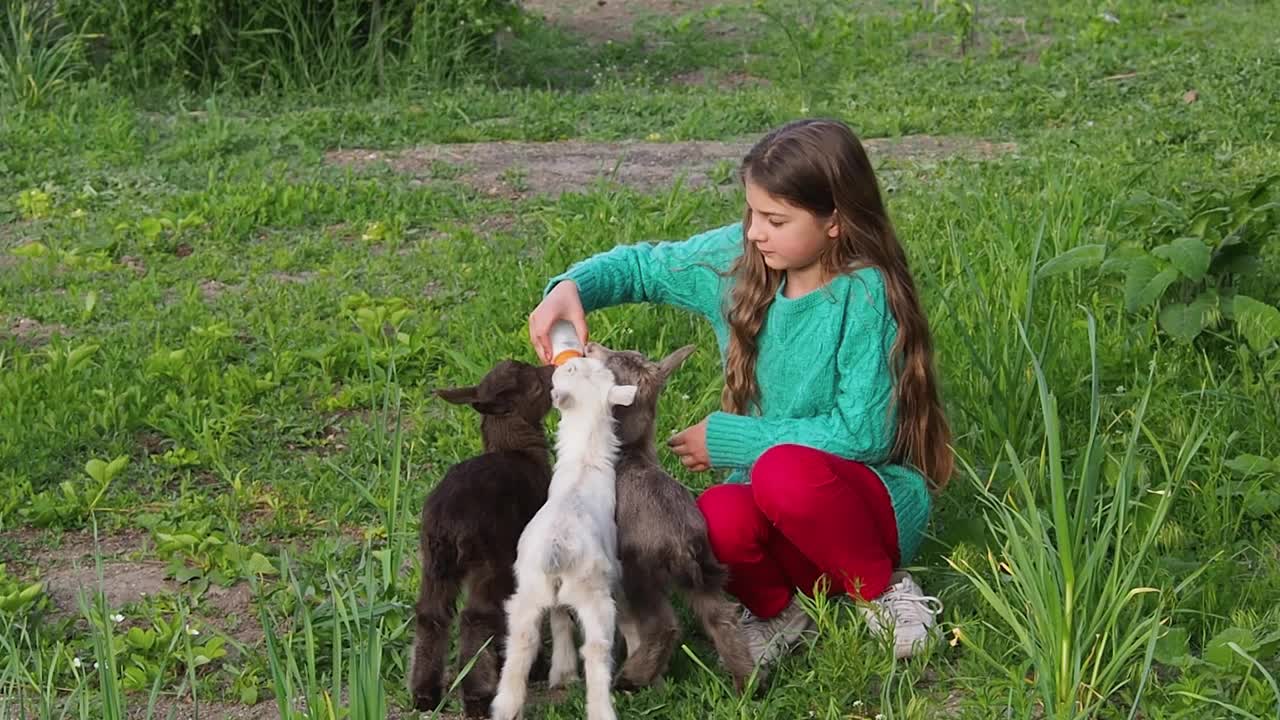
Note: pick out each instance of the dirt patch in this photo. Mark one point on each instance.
(211, 290)
(230, 610)
(723, 81)
(554, 168)
(299, 278)
(122, 584)
(30, 332)
(68, 567)
(186, 710)
(183, 709)
(136, 264)
(610, 20)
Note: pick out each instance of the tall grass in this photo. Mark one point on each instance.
(292, 46)
(1072, 585)
(39, 54)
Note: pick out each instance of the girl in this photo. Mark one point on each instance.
(830, 406)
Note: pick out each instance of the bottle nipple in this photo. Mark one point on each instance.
(564, 343)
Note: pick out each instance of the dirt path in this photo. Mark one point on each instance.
(519, 169)
(604, 20)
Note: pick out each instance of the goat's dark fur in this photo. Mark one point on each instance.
(662, 539)
(471, 524)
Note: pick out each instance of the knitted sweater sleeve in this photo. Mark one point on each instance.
(860, 426)
(685, 274)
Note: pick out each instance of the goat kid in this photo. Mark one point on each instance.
(471, 524)
(662, 539)
(567, 556)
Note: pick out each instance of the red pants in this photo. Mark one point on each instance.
(806, 515)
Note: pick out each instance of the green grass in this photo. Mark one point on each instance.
(211, 301)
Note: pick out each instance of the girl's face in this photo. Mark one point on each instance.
(789, 237)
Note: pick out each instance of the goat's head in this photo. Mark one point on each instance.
(511, 388)
(636, 422)
(586, 384)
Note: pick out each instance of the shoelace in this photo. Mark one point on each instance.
(912, 606)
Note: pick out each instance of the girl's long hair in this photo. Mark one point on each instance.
(820, 165)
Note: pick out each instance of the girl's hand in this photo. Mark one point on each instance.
(562, 303)
(691, 446)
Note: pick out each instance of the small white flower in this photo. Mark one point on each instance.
(857, 703)
(95, 666)
(879, 716)
(75, 663)
(1120, 388)
(192, 631)
(117, 618)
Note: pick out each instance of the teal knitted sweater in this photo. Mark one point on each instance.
(822, 363)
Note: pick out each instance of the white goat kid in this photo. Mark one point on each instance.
(567, 556)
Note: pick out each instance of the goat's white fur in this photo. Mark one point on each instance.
(568, 553)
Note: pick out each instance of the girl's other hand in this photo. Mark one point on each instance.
(562, 303)
(691, 445)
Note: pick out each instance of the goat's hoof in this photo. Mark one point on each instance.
(622, 683)
(426, 701)
(561, 678)
(502, 709)
(477, 706)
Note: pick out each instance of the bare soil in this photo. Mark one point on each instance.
(611, 20)
(517, 169)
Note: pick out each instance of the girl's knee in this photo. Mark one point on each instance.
(732, 521)
(779, 469)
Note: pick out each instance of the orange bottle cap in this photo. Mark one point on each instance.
(565, 356)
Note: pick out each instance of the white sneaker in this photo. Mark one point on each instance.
(905, 611)
(768, 639)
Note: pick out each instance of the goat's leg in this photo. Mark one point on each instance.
(592, 600)
(720, 619)
(653, 621)
(524, 620)
(484, 619)
(628, 624)
(433, 617)
(564, 658)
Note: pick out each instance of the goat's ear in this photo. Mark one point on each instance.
(622, 394)
(459, 395)
(668, 364)
(475, 397)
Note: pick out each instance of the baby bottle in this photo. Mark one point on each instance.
(564, 342)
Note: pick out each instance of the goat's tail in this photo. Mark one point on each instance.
(561, 552)
(701, 570)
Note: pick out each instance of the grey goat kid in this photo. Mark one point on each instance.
(662, 538)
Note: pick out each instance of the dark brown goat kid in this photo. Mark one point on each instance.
(662, 539)
(471, 524)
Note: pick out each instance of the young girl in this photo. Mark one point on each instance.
(831, 409)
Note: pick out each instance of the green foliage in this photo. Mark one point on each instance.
(289, 45)
(1215, 245)
(40, 55)
(1207, 249)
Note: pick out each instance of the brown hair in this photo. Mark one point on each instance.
(820, 166)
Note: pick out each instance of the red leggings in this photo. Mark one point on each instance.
(806, 515)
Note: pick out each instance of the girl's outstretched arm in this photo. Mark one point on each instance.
(683, 274)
